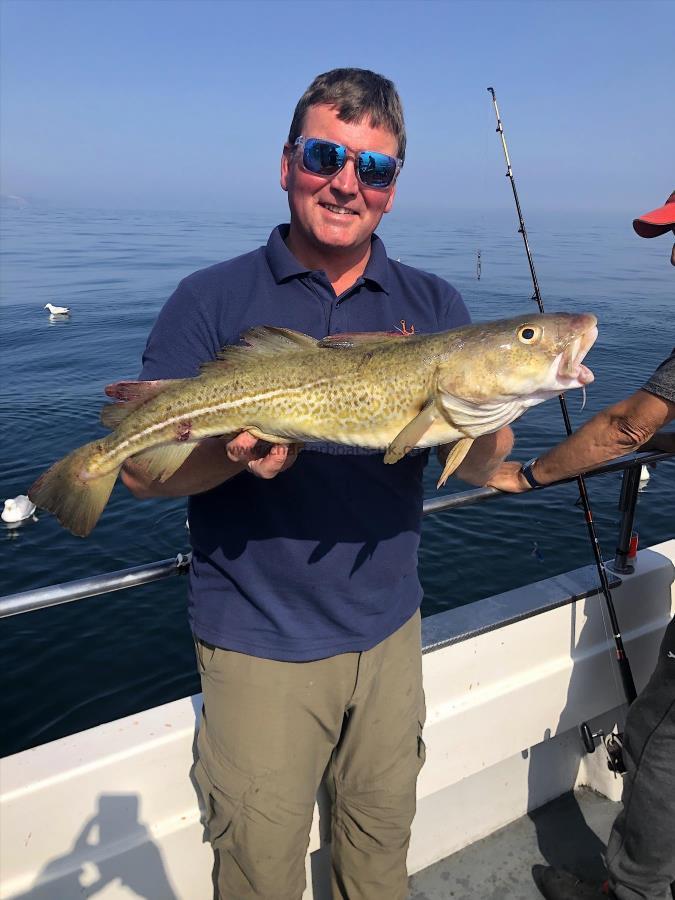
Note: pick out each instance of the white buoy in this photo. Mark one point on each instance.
(57, 310)
(17, 509)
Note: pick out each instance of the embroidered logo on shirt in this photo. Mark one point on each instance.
(404, 330)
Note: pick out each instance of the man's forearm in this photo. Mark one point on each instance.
(620, 429)
(484, 457)
(205, 468)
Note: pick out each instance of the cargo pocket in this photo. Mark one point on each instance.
(205, 654)
(222, 805)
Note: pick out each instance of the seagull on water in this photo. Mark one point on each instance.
(644, 478)
(57, 310)
(17, 509)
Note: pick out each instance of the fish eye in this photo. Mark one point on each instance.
(529, 334)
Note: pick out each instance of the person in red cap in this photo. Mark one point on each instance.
(641, 847)
(657, 222)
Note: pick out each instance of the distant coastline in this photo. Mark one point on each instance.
(13, 201)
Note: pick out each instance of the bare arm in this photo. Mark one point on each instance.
(211, 463)
(619, 429)
(484, 457)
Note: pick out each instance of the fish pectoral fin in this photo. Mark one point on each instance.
(412, 434)
(349, 341)
(131, 395)
(163, 461)
(454, 459)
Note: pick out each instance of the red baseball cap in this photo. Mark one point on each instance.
(658, 221)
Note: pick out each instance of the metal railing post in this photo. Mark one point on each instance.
(630, 484)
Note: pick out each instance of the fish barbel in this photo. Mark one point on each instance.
(376, 390)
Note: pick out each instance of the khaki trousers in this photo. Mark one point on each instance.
(269, 732)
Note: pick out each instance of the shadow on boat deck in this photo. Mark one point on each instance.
(499, 867)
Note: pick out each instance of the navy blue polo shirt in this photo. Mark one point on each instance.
(322, 559)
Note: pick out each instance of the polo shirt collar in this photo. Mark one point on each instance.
(281, 261)
(284, 265)
(377, 269)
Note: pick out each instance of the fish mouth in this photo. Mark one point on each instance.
(571, 367)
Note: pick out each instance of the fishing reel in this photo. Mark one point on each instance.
(613, 744)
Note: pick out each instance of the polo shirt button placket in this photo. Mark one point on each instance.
(317, 285)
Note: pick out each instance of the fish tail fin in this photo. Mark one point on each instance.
(68, 490)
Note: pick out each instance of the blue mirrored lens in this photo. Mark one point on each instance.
(323, 157)
(376, 169)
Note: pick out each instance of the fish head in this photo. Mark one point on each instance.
(527, 358)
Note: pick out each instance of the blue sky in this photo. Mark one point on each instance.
(164, 104)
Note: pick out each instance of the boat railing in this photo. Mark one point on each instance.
(82, 588)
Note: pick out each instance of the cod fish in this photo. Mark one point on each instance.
(372, 390)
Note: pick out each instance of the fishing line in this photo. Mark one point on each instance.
(621, 658)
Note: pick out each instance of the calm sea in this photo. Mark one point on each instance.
(73, 666)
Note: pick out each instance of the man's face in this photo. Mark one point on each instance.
(337, 214)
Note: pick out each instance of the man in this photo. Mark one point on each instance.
(303, 593)
(641, 849)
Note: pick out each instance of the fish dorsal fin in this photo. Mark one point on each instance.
(263, 340)
(351, 341)
(131, 395)
(128, 391)
(271, 339)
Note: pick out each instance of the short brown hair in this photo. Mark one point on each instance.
(356, 94)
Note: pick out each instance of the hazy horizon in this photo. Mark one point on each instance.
(279, 212)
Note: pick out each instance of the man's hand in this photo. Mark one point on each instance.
(508, 478)
(262, 459)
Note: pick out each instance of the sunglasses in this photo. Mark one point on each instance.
(324, 158)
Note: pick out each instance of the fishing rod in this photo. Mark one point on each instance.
(621, 658)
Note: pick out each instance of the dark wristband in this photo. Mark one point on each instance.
(528, 474)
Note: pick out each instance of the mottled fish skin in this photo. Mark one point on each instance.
(287, 387)
(352, 397)
(363, 396)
